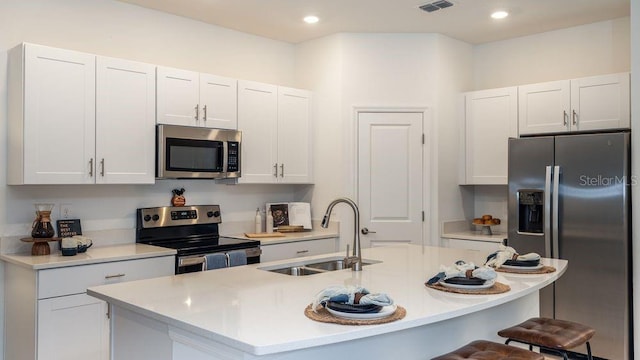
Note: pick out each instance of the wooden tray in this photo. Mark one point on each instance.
(263, 235)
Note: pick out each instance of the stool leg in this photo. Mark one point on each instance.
(589, 351)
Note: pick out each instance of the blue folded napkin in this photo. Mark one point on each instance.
(215, 261)
(347, 294)
(237, 257)
(460, 269)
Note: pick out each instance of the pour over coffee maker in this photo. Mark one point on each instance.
(42, 227)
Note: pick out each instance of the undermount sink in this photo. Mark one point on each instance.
(311, 267)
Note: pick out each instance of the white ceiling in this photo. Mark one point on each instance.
(467, 20)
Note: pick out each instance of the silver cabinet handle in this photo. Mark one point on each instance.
(366, 231)
(275, 169)
(565, 117)
(102, 167)
(91, 167)
(575, 117)
(197, 111)
(281, 170)
(302, 252)
(114, 276)
(204, 113)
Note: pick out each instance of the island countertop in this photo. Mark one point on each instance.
(260, 312)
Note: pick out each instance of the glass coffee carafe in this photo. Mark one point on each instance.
(42, 227)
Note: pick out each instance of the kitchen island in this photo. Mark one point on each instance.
(249, 313)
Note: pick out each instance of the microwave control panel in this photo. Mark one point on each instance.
(233, 154)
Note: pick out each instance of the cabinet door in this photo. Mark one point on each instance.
(59, 116)
(257, 119)
(218, 102)
(297, 249)
(73, 327)
(544, 108)
(600, 102)
(177, 96)
(294, 136)
(125, 122)
(491, 117)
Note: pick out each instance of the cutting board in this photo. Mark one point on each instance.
(263, 235)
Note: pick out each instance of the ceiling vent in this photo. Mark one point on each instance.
(436, 5)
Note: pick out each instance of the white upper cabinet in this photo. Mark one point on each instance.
(591, 103)
(193, 99)
(491, 117)
(294, 135)
(125, 122)
(276, 138)
(258, 121)
(51, 116)
(71, 124)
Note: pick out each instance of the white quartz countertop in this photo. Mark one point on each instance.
(93, 255)
(293, 236)
(261, 312)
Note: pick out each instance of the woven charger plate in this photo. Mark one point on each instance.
(323, 315)
(497, 288)
(543, 270)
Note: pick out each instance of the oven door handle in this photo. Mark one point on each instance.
(193, 260)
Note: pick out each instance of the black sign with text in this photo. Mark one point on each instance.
(69, 227)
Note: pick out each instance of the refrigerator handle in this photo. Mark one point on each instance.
(547, 212)
(556, 190)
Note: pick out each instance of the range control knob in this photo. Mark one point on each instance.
(155, 217)
(147, 218)
(213, 213)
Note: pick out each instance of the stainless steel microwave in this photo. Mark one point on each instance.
(185, 152)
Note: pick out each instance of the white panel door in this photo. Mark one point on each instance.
(218, 102)
(177, 96)
(544, 108)
(294, 136)
(491, 117)
(59, 116)
(125, 122)
(600, 102)
(390, 176)
(73, 327)
(258, 121)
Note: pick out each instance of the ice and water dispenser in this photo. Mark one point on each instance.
(531, 211)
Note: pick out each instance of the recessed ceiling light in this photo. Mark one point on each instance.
(500, 14)
(311, 19)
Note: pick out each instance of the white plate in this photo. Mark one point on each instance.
(511, 267)
(383, 313)
(487, 284)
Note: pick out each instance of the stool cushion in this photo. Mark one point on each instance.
(487, 350)
(550, 333)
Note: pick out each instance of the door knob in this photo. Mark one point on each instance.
(366, 231)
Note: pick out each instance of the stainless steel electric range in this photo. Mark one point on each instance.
(192, 231)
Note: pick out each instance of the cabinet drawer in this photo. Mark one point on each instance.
(297, 249)
(76, 279)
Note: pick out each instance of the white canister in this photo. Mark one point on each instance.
(258, 221)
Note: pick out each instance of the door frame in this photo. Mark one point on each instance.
(429, 207)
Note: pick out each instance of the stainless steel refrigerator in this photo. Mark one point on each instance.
(569, 198)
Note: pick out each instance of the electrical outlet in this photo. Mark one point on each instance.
(66, 211)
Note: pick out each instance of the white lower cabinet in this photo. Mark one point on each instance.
(73, 327)
(294, 249)
(48, 315)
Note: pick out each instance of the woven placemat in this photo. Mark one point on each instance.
(497, 288)
(543, 270)
(323, 315)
